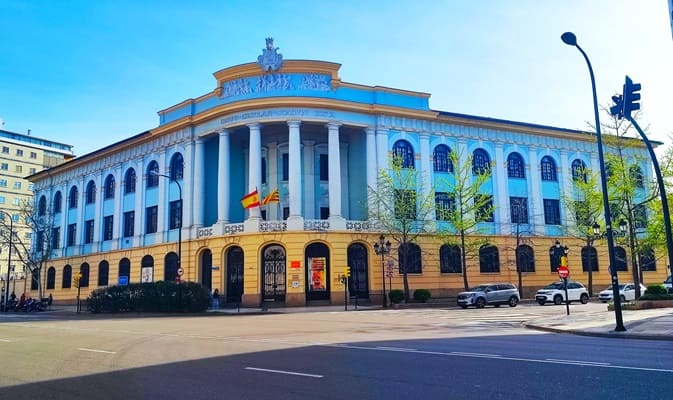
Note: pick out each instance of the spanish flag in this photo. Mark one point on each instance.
(250, 200)
(272, 197)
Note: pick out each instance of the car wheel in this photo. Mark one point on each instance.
(558, 299)
(463, 306)
(513, 301)
(584, 298)
(480, 302)
(541, 302)
(622, 299)
(496, 305)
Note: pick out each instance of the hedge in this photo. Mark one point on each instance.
(150, 297)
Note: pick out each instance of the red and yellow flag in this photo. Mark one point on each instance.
(250, 200)
(272, 197)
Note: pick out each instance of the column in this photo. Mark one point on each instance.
(372, 171)
(118, 213)
(272, 210)
(295, 220)
(565, 181)
(198, 194)
(223, 183)
(188, 188)
(164, 183)
(334, 171)
(80, 214)
(499, 178)
(98, 212)
(426, 171)
(64, 218)
(255, 170)
(140, 203)
(309, 179)
(381, 150)
(535, 184)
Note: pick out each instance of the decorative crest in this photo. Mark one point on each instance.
(271, 59)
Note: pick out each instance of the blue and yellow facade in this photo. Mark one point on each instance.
(168, 199)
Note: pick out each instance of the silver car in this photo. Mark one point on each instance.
(494, 293)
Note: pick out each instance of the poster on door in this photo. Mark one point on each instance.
(317, 267)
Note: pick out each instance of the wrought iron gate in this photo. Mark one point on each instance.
(273, 271)
(357, 260)
(234, 275)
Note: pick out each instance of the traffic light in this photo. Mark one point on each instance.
(631, 97)
(617, 109)
(347, 272)
(77, 278)
(564, 261)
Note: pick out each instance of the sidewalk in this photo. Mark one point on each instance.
(654, 324)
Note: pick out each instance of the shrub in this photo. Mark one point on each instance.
(396, 296)
(656, 289)
(422, 295)
(656, 292)
(151, 297)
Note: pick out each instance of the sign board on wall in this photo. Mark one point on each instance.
(295, 264)
(123, 280)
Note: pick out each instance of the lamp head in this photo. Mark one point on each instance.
(569, 38)
(565, 250)
(596, 228)
(557, 244)
(622, 226)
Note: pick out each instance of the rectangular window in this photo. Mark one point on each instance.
(286, 212)
(324, 167)
(19, 152)
(263, 170)
(2, 199)
(4, 166)
(5, 149)
(3, 182)
(552, 212)
(175, 217)
(405, 204)
(286, 167)
(16, 202)
(263, 214)
(518, 209)
(32, 171)
(484, 212)
(445, 204)
(108, 227)
(640, 216)
(33, 154)
(129, 220)
(19, 168)
(72, 234)
(324, 212)
(55, 238)
(88, 231)
(151, 219)
(17, 185)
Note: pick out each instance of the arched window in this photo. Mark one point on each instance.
(403, 152)
(409, 255)
(42, 206)
(646, 260)
(51, 278)
(589, 258)
(515, 167)
(636, 175)
(130, 181)
(525, 258)
(481, 162)
(555, 253)
(153, 174)
(72, 200)
(109, 187)
(147, 269)
(177, 167)
(125, 269)
(579, 170)
(450, 260)
(84, 280)
(90, 192)
(58, 202)
(548, 169)
(67, 277)
(441, 159)
(489, 260)
(620, 259)
(103, 273)
(170, 267)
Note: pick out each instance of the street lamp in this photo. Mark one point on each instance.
(382, 247)
(570, 39)
(9, 257)
(180, 220)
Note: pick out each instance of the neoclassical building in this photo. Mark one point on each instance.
(167, 201)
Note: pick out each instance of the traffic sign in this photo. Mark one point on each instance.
(563, 271)
(180, 271)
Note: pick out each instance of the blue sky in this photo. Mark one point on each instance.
(90, 73)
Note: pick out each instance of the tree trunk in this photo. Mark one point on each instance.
(462, 248)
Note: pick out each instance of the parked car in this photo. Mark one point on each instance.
(555, 293)
(494, 294)
(668, 284)
(627, 292)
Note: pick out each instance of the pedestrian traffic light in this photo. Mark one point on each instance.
(631, 97)
(347, 272)
(617, 110)
(77, 278)
(564, 261)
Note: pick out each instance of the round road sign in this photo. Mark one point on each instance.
(180, 271)
(563, 271)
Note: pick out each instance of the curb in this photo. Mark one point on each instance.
(613, 335)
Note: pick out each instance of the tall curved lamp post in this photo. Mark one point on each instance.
(9, 257)
(570, 39)
(382, 247)
(180, 219)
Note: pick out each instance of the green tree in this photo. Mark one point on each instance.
(468, 205)
(402, 207)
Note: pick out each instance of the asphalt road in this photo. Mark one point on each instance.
(402, 354)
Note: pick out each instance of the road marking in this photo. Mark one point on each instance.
(394, 348)
(579, 362)
(97, 351)
(277, 371)
(460, 353)
(5, 340)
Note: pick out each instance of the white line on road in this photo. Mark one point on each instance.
(97, 351)
(460, 353)
(579, 362)
(394, 348)
(5, 340)
(276, 371)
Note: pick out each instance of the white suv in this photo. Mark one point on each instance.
(668, 284)
(627, 292)
(555, 293)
